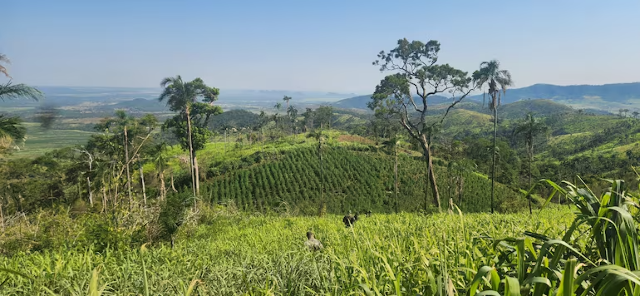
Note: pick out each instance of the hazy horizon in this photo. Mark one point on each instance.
(311, 47)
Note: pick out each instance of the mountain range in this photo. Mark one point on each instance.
(607, 97)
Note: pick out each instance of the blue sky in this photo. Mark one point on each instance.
(312, 45)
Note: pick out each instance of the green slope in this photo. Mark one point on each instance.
(518, 110)
(354, 181)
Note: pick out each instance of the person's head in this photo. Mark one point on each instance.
(309, 235)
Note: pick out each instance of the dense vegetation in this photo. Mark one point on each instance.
(230, 254)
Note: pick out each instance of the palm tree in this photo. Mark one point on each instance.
(293, 115)
(320, 137)
(180, 97)
(496, 80)
(10, 128)
(3, 70)
(10, 91)
(529, 129)
(287, 99)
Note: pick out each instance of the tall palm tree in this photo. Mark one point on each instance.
(180, 97)
(287, 99)
(293, 115)
(529, 130)
(497, 81)
(319, 136)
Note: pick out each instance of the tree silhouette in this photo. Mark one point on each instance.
(293, 117)
(181, 97)
(405, 94)
(497, 81)
(287, 99)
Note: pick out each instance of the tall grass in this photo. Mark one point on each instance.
(593, 251)
(231, 255)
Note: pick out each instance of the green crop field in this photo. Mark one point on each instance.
(40, 141)
(240, 254)
(353, 181)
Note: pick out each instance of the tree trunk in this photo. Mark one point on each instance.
(493, 162)
(163, 188)
(144, 190)
(196, 171)
(110, 187)
(104, 199)
(90, 192)
(173, 186)
(430, 174)
(115, 194)
(191, 154)
(2, 217)
(126, 155)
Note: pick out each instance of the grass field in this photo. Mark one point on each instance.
(40, 141)
(237, 254)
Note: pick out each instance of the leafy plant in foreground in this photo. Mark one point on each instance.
(608, 265)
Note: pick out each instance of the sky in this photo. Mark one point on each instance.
(312, 45)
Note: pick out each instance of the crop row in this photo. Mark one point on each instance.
(353, 181)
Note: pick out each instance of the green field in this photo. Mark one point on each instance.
(40, 141)
(242, 254)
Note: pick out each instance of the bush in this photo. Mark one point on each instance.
(172, 214)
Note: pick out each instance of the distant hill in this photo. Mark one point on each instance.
(234, 119)
(360, 102)
(602, 97)
(607, 97)
(520, 109)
